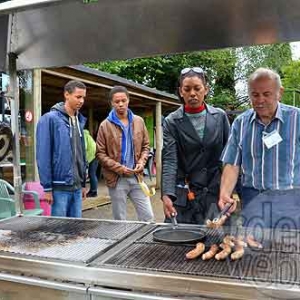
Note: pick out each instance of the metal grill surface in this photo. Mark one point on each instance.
(92, 228)
(75, 240)
(278, 261)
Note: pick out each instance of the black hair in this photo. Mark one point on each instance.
(117, 89)
(72, 85)
(192, 73)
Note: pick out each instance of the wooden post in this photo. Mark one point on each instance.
(158, 140)
(37, 111)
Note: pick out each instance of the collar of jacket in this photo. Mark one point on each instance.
(60, 109)
(210, 109)
(112, 117)
(65, 117)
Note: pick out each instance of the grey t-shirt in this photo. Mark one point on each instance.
(198, 121)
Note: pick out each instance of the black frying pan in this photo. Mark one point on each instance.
(178, 235)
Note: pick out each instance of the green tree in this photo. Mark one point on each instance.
(273, 56)
(291, 83)
(224, 68)
(162, 72)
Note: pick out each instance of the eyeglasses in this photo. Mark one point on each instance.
(197, 70)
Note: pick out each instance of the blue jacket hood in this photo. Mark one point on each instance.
(113, 118)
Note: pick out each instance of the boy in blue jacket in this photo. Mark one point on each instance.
(60, 153)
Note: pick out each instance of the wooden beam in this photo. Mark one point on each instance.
(98, 84)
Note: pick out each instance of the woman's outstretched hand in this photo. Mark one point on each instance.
(169, 209)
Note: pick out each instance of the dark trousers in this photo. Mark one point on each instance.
(197, 211)
(93, 165)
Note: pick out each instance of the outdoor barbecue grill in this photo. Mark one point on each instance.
(101, 259)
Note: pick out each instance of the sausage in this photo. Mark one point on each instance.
(239, 248)
(239, 241)
(234, 241)
(252, 242)
(224, 253)
(238, 253)
(218, 224)
(211, 253)
(222, 220)
(200, 247)
(229, 240)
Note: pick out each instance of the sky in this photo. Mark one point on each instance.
(295, 46)
(241, 86)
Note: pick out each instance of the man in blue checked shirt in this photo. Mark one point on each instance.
(265, 143)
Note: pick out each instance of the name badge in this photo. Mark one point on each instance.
(271, 139)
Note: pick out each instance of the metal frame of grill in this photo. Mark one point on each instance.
(103, 272)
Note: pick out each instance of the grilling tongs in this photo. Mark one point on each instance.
(174, 220)
(222, 213)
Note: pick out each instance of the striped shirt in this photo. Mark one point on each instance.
(276, 168)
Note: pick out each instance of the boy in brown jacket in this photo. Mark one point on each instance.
(122, 149)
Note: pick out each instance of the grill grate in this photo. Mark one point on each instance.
(274, 263)
(92, 228)
(54, 246)
(62, 239)
(167, 258)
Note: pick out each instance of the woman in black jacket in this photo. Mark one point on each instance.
(194, 137)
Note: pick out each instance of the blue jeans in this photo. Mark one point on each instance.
(93, 165)
(67, 204)
(271, 209)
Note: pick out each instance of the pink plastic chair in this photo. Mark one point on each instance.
(29, 201)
